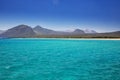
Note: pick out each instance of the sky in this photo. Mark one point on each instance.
(99, 15)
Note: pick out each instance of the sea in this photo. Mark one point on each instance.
(59, 59)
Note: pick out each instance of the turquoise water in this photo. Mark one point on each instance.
(59, 59)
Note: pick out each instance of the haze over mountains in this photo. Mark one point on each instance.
(89, 31)
(38, 31)
(43, 31)
(1, 31)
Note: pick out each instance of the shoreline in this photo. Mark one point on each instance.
(72, 38)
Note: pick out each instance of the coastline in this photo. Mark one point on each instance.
(72, 38)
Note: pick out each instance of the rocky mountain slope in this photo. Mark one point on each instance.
(21, 31)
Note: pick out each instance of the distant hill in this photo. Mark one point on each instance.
(19, 31)
(1, 31)
(115, 34)
(43, 31)
(22, 31)
(111, 34)
(78, 31)
(90, 31)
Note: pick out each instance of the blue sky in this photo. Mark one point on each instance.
(99, 15)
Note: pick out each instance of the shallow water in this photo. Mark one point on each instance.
(59, 59)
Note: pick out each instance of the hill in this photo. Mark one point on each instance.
(19, 31)
(22, 31)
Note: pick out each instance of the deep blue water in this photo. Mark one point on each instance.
(59, 59)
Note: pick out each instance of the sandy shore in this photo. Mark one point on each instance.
(89, 38)
(74, 38)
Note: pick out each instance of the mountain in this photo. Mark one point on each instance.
(1, 31)
(116, 32)
(78, 31)
(43, 31)
(19, 31)
(90, 31)
(111, 34)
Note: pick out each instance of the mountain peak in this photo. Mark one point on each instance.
(78, 31)
(89, 31)
(19, 31)
(38, 26)
(1, 31)
(26, 31)
(40, 30)
(22, 26)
